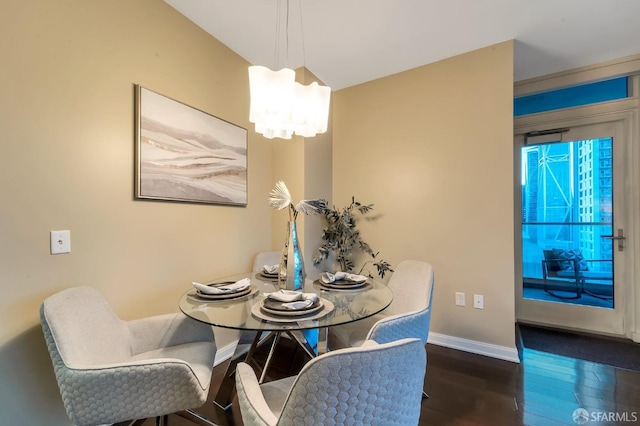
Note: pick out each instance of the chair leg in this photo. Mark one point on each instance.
(162, 420)
(597, 296)
(578, 291)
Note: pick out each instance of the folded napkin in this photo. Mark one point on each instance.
(270, 269)
(328, 277)
(223, 289)
(292, 296)
(295, 306)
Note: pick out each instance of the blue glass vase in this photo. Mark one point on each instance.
(291, 275)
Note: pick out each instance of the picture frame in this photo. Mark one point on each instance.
(185, 154)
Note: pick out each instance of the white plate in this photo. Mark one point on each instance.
(292, 313)
(327, 308)
(264, 276)
(343, 285)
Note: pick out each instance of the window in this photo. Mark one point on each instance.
(568, 97)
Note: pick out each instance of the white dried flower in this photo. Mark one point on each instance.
(279, 197)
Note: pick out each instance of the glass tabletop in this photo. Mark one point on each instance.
(340, 306)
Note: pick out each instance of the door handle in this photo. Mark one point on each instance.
(620, 238)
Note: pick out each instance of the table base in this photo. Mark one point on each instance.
(248, 342)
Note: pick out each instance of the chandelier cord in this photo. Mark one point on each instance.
(277, 54)
(286, 64)
(304, 53)
(276, 47)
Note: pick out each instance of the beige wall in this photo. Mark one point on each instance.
(432, 149)
(67, 110)
(66, 114)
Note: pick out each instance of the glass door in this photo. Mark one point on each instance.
(571, 228)
(567, 217)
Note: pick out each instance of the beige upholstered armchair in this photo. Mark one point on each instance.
(110, 370)
(369, 385)
(409, 314)
(265, 258)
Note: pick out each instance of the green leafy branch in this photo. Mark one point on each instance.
(342, 239)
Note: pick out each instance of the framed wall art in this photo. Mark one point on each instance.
(184, 154)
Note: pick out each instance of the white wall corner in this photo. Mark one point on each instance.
(472, 346)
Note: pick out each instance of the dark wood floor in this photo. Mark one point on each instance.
(469, 389)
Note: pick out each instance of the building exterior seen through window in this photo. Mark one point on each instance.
(567, 203)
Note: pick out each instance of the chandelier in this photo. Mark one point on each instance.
(280, 106)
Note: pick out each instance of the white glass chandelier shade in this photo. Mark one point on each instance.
(281, 107)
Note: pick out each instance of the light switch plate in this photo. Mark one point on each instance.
(478, 301)
(60, 242)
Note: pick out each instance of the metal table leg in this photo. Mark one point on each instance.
(299, 337)
(247, 344)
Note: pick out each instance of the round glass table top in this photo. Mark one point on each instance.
(339, 306)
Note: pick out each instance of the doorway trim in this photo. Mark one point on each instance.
(626, 111)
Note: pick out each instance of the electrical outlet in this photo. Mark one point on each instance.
(478, 301)
(460, 299)
(60, 242)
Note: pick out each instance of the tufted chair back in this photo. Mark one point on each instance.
(412, 285)
(369, 385)
(409, 314)
(410, 311)
(266, 258)
(83, 319)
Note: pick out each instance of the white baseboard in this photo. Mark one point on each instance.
(225, 353)
(475, 347)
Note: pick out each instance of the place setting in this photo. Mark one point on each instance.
(268, 273)
(342, 281)
(224, 290)
(290, 305)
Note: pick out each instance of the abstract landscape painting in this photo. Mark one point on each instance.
(184, 154)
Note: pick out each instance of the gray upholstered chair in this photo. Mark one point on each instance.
(369, 385)
(266, 258)
(110, 370)
(409, 314)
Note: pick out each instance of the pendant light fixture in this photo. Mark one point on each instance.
(280, 106)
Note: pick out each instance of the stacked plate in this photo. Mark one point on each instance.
(268, 275)
(344, 284)
(275, 307)
(226, 295)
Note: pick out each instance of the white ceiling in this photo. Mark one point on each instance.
(347, 42)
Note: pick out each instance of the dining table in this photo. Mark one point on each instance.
(247, 312)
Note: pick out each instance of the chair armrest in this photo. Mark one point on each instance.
(253, 406)
(401, 326)
(161, 331)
